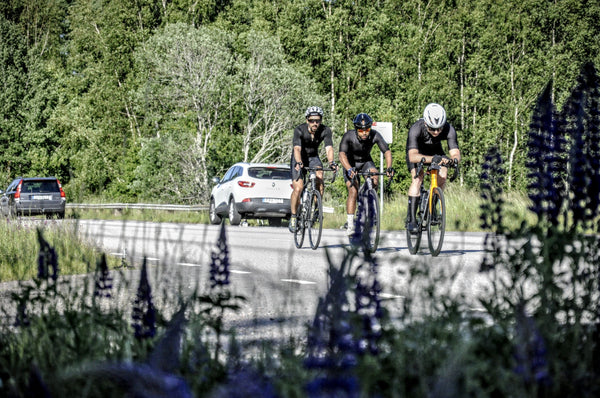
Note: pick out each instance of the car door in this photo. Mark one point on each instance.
(223, 189)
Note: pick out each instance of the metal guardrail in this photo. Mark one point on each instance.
(136, 206)
(147, 206)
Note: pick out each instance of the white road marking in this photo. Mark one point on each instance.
(300, 282)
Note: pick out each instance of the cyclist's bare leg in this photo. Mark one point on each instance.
(297, 186)
(375, 178)
(414, 198)
(415, 185)
(352, 194)
(442, 176)
(320, 185)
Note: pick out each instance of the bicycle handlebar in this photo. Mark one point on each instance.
(309, 169)
(370, 174)
(453, 165)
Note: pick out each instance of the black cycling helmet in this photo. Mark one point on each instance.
(362, 121)
(313, 111)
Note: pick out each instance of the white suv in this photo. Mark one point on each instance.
(252, 190)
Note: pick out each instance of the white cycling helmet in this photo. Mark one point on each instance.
(434, 116)
(313, 111)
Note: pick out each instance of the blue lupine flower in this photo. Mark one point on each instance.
(333, 387)
(137, 379)
(219, 264)
(530, 350)
(547, 167)
(581, 120)
(47, 259)
(246, 383)
(102, 279)
(144, 313)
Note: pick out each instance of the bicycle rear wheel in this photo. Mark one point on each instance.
(300, 226)
(436, 224)
(315, 220)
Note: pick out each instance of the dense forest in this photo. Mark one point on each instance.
(147, 99)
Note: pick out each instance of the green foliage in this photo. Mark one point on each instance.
(86, 83)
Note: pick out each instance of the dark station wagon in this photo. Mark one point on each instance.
(33, 196)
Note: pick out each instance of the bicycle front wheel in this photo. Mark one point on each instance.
(315, 220)
(367, 226)
(300, 226)
(373, 221)
(413, 240)
(436, 224)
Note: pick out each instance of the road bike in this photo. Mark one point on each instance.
(431, 215)
(310, 211)
(367, 224)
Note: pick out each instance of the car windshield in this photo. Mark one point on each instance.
(40, 186)
(269, 173)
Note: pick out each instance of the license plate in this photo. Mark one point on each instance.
(42, 197)
(272, 200)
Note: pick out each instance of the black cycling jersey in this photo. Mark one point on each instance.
(420, 139)
(359, 151)
(309, 143)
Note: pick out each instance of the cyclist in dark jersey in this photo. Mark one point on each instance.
(355, 156)
(424, 140)
(307, 139)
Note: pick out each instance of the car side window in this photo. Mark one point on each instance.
(238, 172)
(227, 175)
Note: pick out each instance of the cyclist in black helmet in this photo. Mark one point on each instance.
(307, 139)
(425, 141)
(355, 156)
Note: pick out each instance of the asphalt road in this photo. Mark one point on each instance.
(281, 283)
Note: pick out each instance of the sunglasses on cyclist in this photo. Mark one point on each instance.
(431, 130)
(314, 120)
(364, 130)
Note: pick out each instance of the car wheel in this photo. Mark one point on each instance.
(275, 222)
(234, 216)
(212, 213)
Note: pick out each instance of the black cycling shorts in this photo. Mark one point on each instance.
(313, 161)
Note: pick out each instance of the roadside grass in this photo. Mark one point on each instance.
(20, 248)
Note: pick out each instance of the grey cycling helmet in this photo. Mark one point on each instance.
(434, 116)
(313, 111)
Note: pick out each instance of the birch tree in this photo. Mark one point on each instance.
(186, 88)
(274, 95)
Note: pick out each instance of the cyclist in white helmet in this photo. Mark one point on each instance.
(307, 139)
(424, 140)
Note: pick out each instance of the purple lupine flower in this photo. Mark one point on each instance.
(246, 383)
(219, 264)
(47, 259)
(581, 120)
(530, 350)
(545, 146)
(22, 318)
(368, 307)
(144, 313)
(334, 387)
(332, 344)
(102, 279)
(492, 206)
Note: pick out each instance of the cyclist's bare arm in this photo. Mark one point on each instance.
(455, 154)
(329, 152)
(298, 155)
(344, 161)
